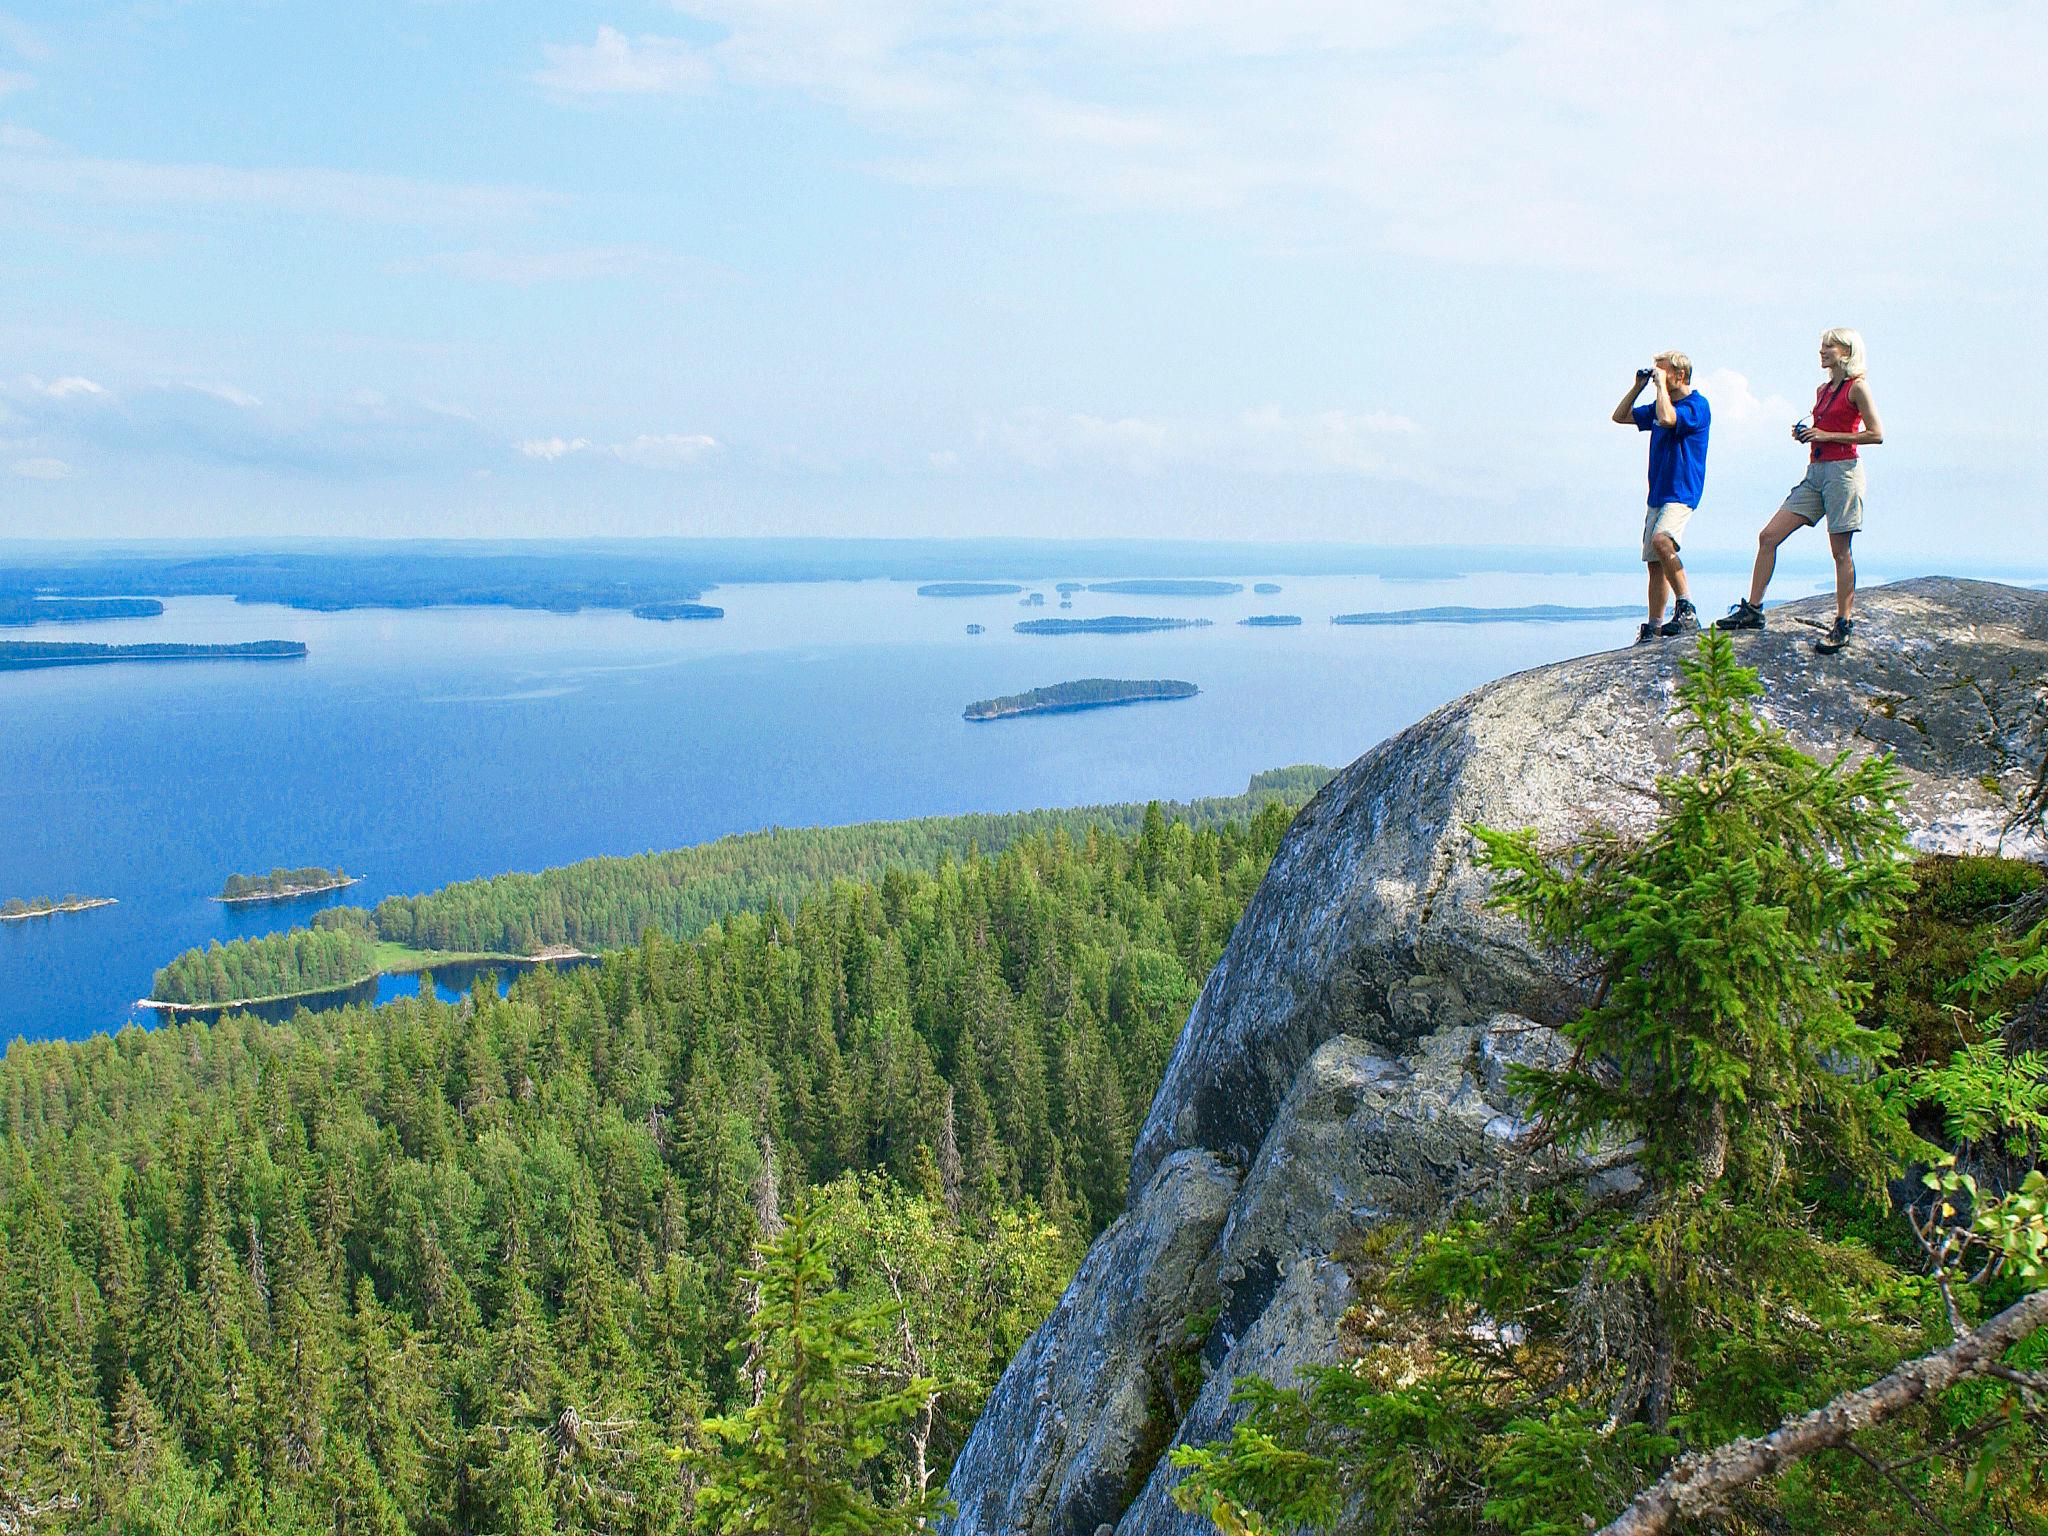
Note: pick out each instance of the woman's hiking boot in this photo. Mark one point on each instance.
(1837, 636)
(1744, 615)
(1684, 620)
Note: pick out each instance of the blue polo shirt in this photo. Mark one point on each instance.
(1678, 454)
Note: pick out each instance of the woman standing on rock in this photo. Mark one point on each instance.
(1844, 418)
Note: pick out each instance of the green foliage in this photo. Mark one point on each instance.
(604, 903)
(1532, 1363)
(484, 1266)
(272, 965)
(797, 1461)
(1729, 944)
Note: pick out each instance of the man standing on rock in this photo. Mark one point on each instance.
(1678, 421)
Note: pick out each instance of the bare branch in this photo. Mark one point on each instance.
(1703, 1481)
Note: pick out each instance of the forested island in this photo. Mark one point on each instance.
(604, 903)
(21, 655)
(1266, 588)
(284, 884)
(1085, 693)
(1112, 624)
(265, 969)
(1168, 588)
(969, 589)
(1271, 620)
(677, 610)
(1539, 613)
(30, 609)
(16, 907)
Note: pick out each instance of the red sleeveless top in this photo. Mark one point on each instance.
(1834, 411)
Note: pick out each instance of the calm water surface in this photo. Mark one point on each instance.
(416, 748)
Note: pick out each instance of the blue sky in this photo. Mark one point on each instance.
(1128, 267)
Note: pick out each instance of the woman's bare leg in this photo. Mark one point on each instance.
(1845, 571)
(1780, 528)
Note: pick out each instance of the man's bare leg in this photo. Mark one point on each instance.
(1780, 528)
(1839, 545)
(1656, 592)
(1670, 566)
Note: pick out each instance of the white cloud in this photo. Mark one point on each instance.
(208, 421)
(49, 173)
(72, 387)
(672, 450)
(227, 392)
(618, 65)
(1738, 407)
(1266, 440)
(41, 469)
(1491, 132)
(550, 449)
(12, 80)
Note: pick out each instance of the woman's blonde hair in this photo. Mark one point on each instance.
(1850, 342)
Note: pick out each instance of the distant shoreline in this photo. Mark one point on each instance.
(415, 962)
(30, 655)
(1113, 624)
(1539, 613)
(63, 906)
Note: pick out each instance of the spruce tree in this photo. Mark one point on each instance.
(796, 1462)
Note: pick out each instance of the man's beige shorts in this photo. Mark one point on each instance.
(1670, 518)
(1832, 488)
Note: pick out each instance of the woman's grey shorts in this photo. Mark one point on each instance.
(1832, 488)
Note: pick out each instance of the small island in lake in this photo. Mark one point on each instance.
(1271, 620)
(1266, 588)
(977, 629)
(284, 884)
(1540, 613)
(20, 610)
(677, 610)
(14, 909)
(1112, 624)
(1085, 693)
(969, 589)
(19, 655)
(1175, 588)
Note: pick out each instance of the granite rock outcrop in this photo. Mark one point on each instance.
(1346, 1062)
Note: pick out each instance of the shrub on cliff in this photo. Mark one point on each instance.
(1539, 1364)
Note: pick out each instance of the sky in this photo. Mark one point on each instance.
(1306, 269)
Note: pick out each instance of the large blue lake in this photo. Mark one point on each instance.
(421, 747)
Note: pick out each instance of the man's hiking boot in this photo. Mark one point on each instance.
(1744, 615)
(1684, 620)
(1645, 633)
(1837, 636)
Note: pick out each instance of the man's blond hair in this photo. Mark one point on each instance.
(1676, 362)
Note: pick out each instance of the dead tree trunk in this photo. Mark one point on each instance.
(1702, 1482)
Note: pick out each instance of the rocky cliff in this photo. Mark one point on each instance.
(1346, 1061)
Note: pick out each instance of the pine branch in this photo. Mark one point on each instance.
(1704, 1481)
